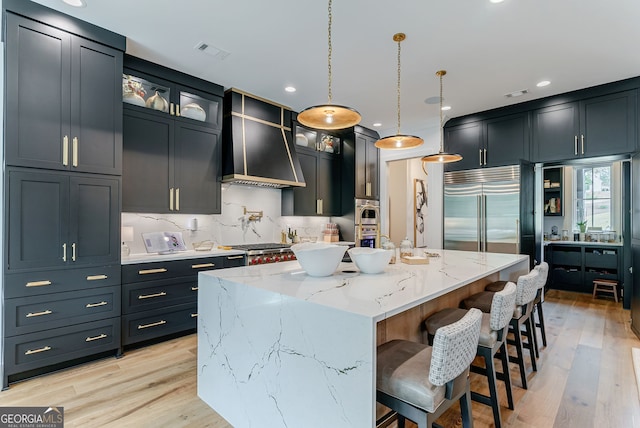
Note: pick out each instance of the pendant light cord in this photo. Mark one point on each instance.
(330, 50)
(441, 73)
(399, 40)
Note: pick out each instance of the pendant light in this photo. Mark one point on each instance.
(399, 141)
(329, 116)
(441, 156)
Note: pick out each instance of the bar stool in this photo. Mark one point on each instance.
(543, 270)
(421, 382)
(526, 288)
(493, 335)
(606, 286)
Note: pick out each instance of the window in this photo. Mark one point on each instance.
(593, 196)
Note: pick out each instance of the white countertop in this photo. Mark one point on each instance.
(399, 287)
(178, 255)
(597, 244)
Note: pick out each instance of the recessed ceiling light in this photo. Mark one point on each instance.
(377, 124)
(445, 108)
(496, 1)
(290, 89)
(543, 83)
(76, 3)
(517, 93)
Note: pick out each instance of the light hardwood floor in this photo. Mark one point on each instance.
(585, 379)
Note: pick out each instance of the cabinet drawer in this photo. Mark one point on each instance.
(572, 258)
(562, 276)
(31, 314)
(234, 261)
(589, 277)
(595, 260)
(55, 281)
(35, 350)
(160, 322)
(169, 269)
(144, 296)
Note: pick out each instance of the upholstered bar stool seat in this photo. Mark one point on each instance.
(493, 334)
(495, 286)
(420, 382)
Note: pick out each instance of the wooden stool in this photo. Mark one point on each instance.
(606, 286)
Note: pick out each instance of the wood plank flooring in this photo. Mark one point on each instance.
(585, 379)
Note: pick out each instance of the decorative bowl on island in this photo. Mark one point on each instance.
(318, 258)
(370, 260)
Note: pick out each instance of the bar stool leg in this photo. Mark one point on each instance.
(540, 324)
(520, 357)
(505, 376)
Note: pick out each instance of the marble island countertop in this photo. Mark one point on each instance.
(377, 296)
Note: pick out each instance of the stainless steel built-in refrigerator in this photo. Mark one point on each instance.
(490, 210)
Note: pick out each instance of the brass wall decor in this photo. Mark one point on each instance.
(441, 156)
(399, 141)
(329, 116)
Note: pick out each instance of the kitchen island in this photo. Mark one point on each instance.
(279, 348)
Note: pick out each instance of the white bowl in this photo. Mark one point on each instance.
(370, 260)
(317, 258)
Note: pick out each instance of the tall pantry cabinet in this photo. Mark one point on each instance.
(62, 184)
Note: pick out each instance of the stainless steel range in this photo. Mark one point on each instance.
(266, 253)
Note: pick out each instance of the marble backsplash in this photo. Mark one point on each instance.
(232, 226)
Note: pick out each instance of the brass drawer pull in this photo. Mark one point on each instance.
(234, 257)
(37, 351)
(65, 150)
(37, 314)
(153, 324)
(37, 283)
(95, 305)
(194, 288)
(148, 271)
(194, 315)
(96, 277)
(202, 265)
(91, 339)
(74, 152)
(150, 296)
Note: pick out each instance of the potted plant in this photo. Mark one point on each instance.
(582, 225)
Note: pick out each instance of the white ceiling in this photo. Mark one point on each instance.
(487, 49)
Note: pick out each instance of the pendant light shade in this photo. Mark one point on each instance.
(399, 141)
(441, 156)
(329, 116)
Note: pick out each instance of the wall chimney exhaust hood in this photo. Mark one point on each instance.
(257, 143)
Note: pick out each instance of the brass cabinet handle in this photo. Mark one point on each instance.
(75, 152)
(485, 157)
(177, 199)
(96, 277)
(194, 315)
(64, 252)
(480, 156)
(37, 314)
(95, 305)
(234, 257)
(73, 252)
(194, 288)
(91, 339)
(37, 351)
(37, 283)
(65, 150)
(202, 265)
(150, 296)
(171, 199)
(582, 143)
(153, 324)
(148, 271)
(177, 109)
(171, 111)
(368, 189)
(575, 145)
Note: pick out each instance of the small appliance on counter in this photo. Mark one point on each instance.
(163, 242)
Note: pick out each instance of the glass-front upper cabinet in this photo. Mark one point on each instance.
(167, 97)
(317, 140)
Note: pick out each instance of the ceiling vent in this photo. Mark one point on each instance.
(517, 93)
(213, 51)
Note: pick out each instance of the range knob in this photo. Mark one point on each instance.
(276, 259)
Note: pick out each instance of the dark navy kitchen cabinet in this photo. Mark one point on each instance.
(62, 100)
(57, 220)
(172, 148)
(597, 126)
(367, 164)
(496, 141)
